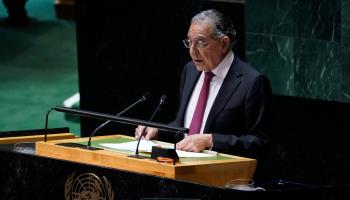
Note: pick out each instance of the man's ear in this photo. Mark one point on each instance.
(225, 41)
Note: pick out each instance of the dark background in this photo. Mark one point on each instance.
(126, 50)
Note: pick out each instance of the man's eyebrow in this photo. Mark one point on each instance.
(198, 38)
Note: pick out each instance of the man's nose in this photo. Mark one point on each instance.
(193, 48)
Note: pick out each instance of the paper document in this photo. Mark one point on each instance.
(146, 146)
(187, 154)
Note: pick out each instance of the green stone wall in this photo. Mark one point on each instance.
(301, 45)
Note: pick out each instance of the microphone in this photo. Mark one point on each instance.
(46, 122)
(103, 116)
(145, 97)
(162, 101)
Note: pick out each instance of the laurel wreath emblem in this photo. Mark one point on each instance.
(88, 186)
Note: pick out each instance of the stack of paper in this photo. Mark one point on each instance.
(146, 146)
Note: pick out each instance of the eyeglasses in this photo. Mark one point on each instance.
(198, 43)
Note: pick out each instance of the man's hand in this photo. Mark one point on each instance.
(195, 143)
(149, 133)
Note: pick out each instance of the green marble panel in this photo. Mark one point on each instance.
(273, 56)
(318, 69)
(269, 16)
(314, 19)
(345, 62)
(345, 22)
(318, 19)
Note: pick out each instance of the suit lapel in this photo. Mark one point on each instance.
(228, 87)
(187, 91)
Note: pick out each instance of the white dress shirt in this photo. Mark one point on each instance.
(220, 73)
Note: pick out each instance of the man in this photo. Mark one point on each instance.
(236, 114)
(17, 14)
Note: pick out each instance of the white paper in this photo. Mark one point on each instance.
(146, 146)
(187, 154)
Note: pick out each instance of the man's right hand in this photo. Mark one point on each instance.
(149, 133)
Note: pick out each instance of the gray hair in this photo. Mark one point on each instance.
(222, 26)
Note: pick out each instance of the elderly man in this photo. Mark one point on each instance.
(225, 102)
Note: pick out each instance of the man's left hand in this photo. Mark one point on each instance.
(195, 142)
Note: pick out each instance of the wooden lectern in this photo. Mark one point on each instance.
(33, 138)
(212, 171)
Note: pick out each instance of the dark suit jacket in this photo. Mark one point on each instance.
(239, 119)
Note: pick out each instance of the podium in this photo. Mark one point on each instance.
(32, 138)
(211, 171)
(11, 137)
(52, 171)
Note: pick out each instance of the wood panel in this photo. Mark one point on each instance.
(34, 138)
(208, 172)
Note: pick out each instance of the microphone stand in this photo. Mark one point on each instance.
(125, 120)
(46, 122)
(162, 99)
(144, 98)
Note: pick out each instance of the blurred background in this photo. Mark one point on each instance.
(38, 68)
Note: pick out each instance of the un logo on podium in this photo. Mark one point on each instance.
(88, 186)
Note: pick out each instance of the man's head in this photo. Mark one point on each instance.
(209, 38)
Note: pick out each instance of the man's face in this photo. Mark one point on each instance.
(206, 51)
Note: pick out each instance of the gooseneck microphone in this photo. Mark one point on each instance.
(145, 97)
(162, 100)
(119, 119)
(46, 122)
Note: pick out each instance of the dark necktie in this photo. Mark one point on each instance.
(197, 118)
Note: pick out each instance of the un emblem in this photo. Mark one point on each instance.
(88, 186)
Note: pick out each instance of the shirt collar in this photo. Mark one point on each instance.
(221, 70)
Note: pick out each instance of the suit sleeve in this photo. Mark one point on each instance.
(254, 140)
